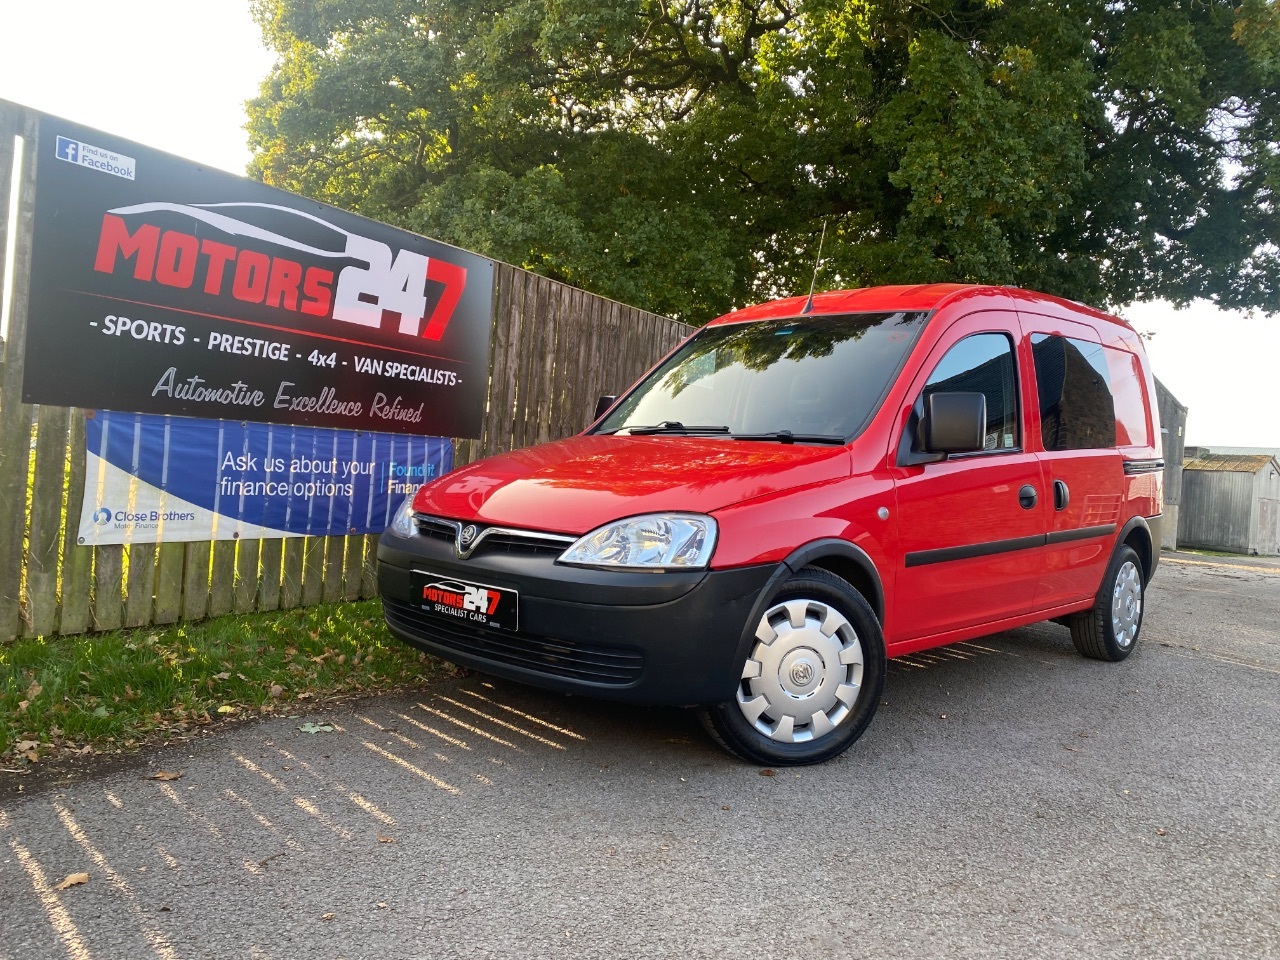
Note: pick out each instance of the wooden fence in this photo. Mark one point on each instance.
(553, 350)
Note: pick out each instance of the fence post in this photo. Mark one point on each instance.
(15, 416)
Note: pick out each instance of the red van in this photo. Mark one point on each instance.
(798, 491)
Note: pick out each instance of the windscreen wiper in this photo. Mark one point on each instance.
(786, 436)
(672, 426)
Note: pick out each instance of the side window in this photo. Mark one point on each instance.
(1124, 373)
(1077, 409)
(983, 363)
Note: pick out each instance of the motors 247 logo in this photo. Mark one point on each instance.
(377, 288)
(470, 601)
(461, 596)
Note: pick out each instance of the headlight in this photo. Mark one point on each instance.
(658, 541)
(402, 523)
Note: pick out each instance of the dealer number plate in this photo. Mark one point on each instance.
(468, 603)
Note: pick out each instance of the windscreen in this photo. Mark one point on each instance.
(814, 378)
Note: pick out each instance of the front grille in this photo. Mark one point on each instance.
(502, 543)
(525, 543)
(434, 529)
(557, 658)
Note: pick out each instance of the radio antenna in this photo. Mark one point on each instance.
(808, 304)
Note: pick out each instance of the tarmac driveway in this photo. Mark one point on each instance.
(1011, 799)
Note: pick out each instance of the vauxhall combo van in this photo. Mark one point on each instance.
(797, 492)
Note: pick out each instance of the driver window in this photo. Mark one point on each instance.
(983, 363)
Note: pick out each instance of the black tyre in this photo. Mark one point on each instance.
(1110, 630)
(812, 681)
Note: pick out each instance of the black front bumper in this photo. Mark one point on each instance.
(656, 638)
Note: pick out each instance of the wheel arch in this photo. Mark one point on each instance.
(848, 562)
(1137, 534)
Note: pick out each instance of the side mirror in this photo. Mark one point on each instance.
(955, 423)
(602, 407)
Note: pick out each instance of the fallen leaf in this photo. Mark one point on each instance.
(22, 705)
(102, 712)
(222, 676)
(1161, 832)
(277, 691)
(310, 727)
(382, 905)
(327, 917)
(33, 691)
(725, 807)
(766, 772)
(226, 708)
(166, 909)
(165, 775)
(73, 880)
(382, 839)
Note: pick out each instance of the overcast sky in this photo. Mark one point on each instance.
(175, 76)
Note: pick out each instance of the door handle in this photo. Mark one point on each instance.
(1061, 495)
(1027, 497)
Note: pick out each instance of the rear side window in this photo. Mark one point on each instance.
(1090, 395)
(983, 363)
(1125, 376)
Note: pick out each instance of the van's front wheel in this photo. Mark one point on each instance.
(811, 681)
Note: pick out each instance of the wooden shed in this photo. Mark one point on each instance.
(1231, 502)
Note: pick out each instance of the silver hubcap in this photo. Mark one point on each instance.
(803, 676)
(1126, 604)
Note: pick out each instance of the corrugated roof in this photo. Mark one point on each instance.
(1230, 463)
(1238, 451)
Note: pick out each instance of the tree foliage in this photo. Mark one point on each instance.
(681, 155)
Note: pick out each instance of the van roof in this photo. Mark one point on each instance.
(928, 296)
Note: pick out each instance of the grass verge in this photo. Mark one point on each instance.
(113, 691)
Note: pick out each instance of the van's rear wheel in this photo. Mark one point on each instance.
(811, 681)
(1110, 630)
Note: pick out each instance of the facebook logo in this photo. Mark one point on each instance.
(95, 158)
(68, 150)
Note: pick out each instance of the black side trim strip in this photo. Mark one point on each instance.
(922, 557)
(1083, 533)
(1143, 466)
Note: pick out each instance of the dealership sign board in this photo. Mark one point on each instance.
(151, 479)
(161, 286)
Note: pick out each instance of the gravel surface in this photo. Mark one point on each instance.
(1011, 800)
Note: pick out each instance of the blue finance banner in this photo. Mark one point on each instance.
(151, 479)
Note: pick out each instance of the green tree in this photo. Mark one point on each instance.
(681, 155)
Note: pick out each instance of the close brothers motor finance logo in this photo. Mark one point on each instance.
(362, 293)
(101, 516)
